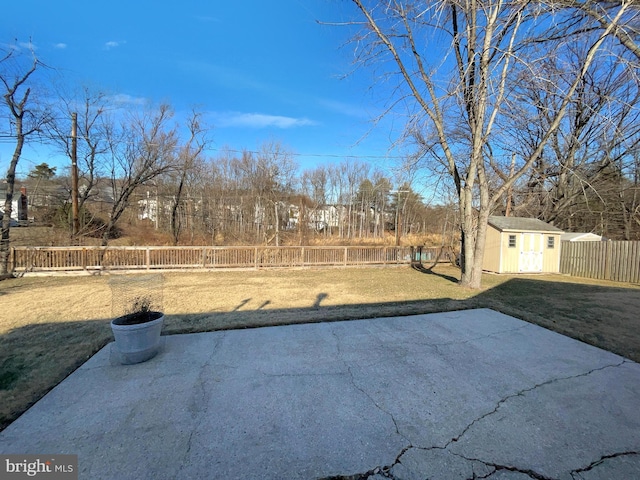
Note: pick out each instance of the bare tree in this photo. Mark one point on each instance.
(275, 177)
(25, 118)
(314, 187)
(93, 109)
(457, 91)
(587, 15)
(209, 180)
(187, 157)
(372, 200)
(600, 130)
(337, 194)
(142, 149)
(41, 173)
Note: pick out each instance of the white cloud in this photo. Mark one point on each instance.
(19, 46)
(60, 45)
(113, 44)
(124, 99)
(28, 45)
(259, 120)
(343, 108)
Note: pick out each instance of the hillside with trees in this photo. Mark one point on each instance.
(246, 198)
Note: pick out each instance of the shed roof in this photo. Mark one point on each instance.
(580, 236)
(519, 224)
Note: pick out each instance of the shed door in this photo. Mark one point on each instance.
(531, 252)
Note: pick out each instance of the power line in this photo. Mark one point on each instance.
(7, 139)
(320, 155)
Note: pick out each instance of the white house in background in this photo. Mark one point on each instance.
(19, 207)
(327, 216)
(148, 209)
(318, 218)
(12, 223)
(581, 237)
(153, 210)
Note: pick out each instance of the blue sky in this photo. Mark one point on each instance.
(262, 71)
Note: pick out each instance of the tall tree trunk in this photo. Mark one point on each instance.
(175, 221)
(467, 236)
(277, 223)
(5, 248)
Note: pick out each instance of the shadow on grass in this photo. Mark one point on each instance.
(430, 271)
(35, 358)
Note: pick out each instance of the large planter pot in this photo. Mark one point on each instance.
(137, 336)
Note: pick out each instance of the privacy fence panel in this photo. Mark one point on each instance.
(51, 259)
(618, 261)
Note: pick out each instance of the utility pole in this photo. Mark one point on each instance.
(74, 174)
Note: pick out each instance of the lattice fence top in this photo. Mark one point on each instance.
(130, 293)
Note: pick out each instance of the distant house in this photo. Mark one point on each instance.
(19, 207)
(327, 216)
(521, 245)
(12, 222)
(581, 237)
(148, 209)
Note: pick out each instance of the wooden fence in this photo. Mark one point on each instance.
(618, 261)
(59, 259)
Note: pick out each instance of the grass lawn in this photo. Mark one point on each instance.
(51, 325)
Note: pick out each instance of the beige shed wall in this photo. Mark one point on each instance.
(491, 259)
(551, 256)
(510, 256)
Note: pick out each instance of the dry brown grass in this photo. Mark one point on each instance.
(144, 233)
(427, 239)
(51, 325)
(38, 236)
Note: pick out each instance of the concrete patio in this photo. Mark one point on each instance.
(458, 395)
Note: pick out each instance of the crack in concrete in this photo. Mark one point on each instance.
(498, 467)
(437, 345)
(382, 471)
(361, 476)
(481, 477)
(413, 341)
(306, 374)
(373, 401)
(198, 403)
(522, 392)
(482, 337)
(530, 473)
(188, 450)
(600, 461)
(363, 391)
(386, 471)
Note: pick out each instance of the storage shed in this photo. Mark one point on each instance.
(521, 245)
